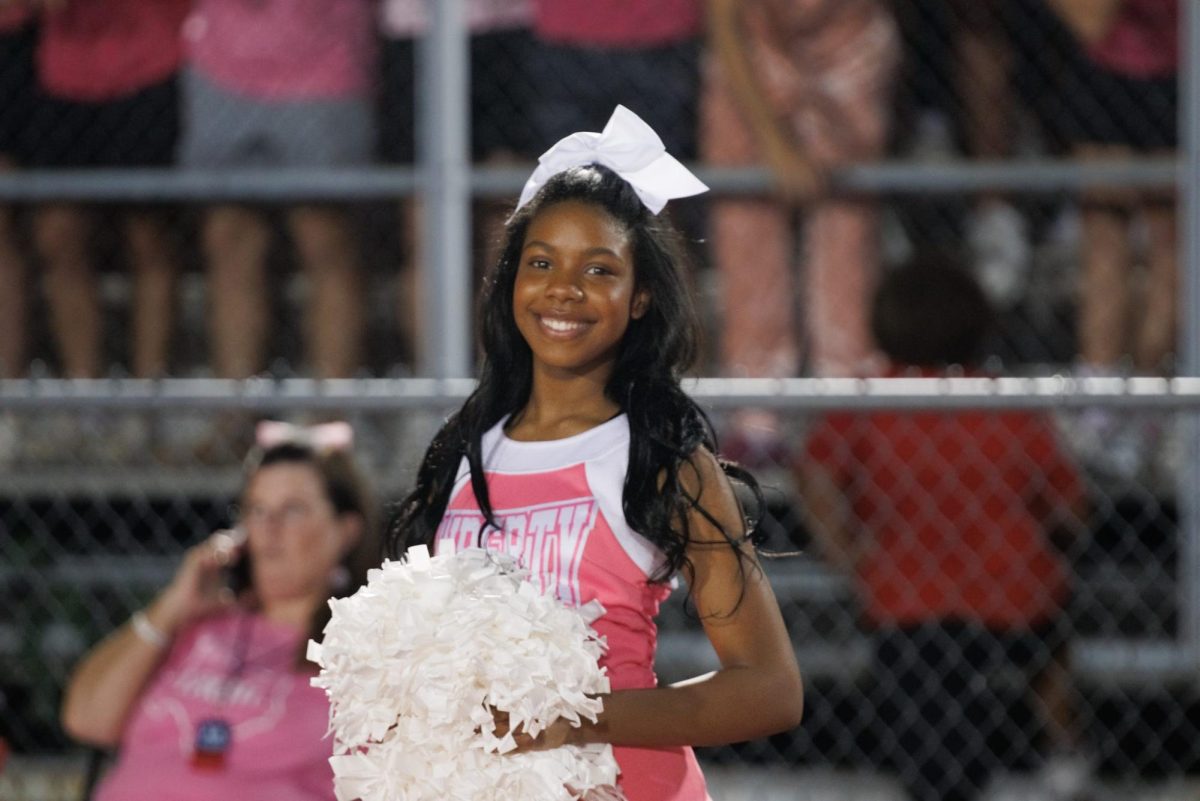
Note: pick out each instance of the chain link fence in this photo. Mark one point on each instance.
(991, 529)
(243, 198)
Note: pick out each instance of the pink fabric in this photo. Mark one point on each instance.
(13, 17)
(826, 73)
(403, 19)
(560, 521)
(1143, 41)
(97, 50)
(284, 49)
(617, 23)
(279, 750)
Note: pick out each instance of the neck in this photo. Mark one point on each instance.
(296, 612)
(561, 406)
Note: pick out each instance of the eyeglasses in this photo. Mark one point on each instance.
(291, 513)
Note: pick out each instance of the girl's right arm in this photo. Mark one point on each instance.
(756, 692)
(111, 676)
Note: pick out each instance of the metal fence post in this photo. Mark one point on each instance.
(1189, 206)
(444, 167)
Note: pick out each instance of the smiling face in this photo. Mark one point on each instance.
(294, 536)
(575, 290)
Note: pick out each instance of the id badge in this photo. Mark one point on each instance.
(213, 738)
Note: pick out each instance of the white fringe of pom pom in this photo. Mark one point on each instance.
(414, 662)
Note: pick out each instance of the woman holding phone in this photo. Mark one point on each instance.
(206, 692)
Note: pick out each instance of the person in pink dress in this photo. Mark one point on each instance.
(802, 87)
(580, 455)
(206, 694)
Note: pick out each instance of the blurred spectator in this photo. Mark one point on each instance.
(280, 83)
(17, 41)
(976, 74)
(107, 74)
(1128, 61)
(950, 524)
(802, 87)
(643, 54)
(1123, 103)
(206, 693)
(984, 80)
(501, 128)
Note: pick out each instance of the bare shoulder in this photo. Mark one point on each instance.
(717, 515)
(701, 473)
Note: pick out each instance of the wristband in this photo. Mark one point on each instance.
(146, 631)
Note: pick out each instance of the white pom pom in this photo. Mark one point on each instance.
(414, 662)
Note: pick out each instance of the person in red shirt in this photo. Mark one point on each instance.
(106, 77)
(950, 523)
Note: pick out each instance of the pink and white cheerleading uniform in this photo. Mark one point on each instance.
(559, 505)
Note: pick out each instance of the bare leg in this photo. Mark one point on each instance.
(752, 247)
(1059, 705)
(154, 267)
(842, 247)
(62, 234)
(409, 320)
(1156, 330)
(235, 244)
(985, 62)
(1107, 261)
(335, 316)
(14, 300)
(1104, 293)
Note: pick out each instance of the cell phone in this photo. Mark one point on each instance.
(236, 575)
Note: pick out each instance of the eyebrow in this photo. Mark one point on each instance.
(597, 251)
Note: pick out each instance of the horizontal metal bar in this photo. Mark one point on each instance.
(1101, 661)
(802, 394)
(382, 182)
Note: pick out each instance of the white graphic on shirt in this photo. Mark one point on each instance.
(547, 539)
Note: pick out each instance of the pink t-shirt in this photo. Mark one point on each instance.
(284, 49)
(13, 17)
(560, 505)
(278, 752)
(404, 19)
(98, 50)
(1143, 41)
(617, 23)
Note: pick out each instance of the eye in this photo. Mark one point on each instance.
(539, 263)
(598, 269)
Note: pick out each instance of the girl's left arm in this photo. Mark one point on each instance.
(756, 692)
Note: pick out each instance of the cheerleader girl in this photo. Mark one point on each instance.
(580, 454)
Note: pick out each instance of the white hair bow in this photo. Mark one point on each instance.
(630, 148)
(336, 436)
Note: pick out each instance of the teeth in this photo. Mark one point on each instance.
(563, 326)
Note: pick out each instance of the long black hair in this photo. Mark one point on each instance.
(666, 426)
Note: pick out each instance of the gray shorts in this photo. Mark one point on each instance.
(224, 129)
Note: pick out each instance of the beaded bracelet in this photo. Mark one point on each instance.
(147, 631)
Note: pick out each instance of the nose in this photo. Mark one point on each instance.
(563, 286)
